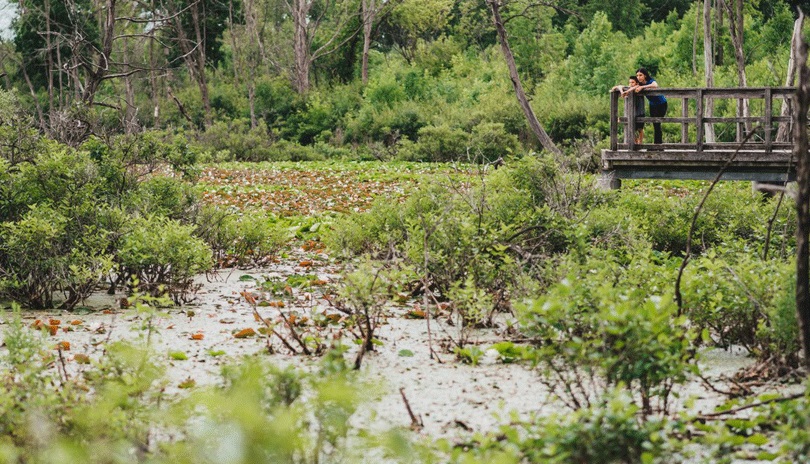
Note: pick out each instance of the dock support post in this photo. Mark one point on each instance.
(608, 181)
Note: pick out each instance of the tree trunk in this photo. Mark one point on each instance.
(708, 68)
(538, 130)
(369, 12)
(736, 23)
(790, 79)
(301, 46)
(800, 147)
(200, 62)
(695, 41)
(252, 57)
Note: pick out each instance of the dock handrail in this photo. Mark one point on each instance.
(764, 121)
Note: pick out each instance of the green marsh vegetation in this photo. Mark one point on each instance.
(426, 183)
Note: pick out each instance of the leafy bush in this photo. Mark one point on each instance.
(611, 324)
(166, 196)
(243, 142)
(440, 143)
(253, 237)
(19, 141)
(39, 256)
(742, 300)
(490, 141)
(163, 255)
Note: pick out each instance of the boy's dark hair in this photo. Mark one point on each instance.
(634, 78)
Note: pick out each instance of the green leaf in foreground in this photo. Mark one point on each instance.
(406, 353)
(178, 355)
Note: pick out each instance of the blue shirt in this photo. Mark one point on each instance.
(655, 99)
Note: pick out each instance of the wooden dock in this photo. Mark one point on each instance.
(757, 147)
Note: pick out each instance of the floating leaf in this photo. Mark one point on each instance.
(246, 278)
(405, 353)
(63, 346)
(54, 322)
(245, 333)
(415, 314)
(75, 322)
(188, 383)
(757, 439)
(197, 336)
(216, 353)
(178, 355)
(82, 359)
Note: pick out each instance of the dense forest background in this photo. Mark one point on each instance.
(411, 79)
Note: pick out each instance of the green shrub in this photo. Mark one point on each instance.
(253, 237)
(237, 137)
(39, 256)
(490, 141)
(743, 300)
(608, 324)
(163, 255)
(166, 196)
(441, 143)
(19, 140)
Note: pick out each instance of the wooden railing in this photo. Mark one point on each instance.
(692, 118)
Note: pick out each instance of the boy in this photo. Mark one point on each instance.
(638, 102)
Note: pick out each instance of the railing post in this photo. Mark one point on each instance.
(630, 113)
(740, 124)
(614, 121)
(699, 120)
(768, 118)
(684, 115)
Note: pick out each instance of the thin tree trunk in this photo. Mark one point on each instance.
(538, 130)
(800, 151)
(708, 67)
(49, 56)
(695, 41)
(153, 84)
(253, 56)
(200, 62)
(790, 79)
(369, 12)
(33, 92)
(736, 23)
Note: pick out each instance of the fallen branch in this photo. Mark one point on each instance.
(416, 421)
(781, 399)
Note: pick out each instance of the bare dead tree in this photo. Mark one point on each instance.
(790, 79)
(736, 22)
(523, 100)
(305, 26)
(708, 66)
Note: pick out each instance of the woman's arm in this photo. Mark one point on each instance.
(651, 85)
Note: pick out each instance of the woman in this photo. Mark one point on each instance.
(658, 103)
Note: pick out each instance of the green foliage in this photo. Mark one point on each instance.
(242, 142)
(609, 323)
(19, 141)
(490, 141)
(163, 255)
(39, 256)
(440, 144)
(794, 423)
(245, 239)
(745, 301)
